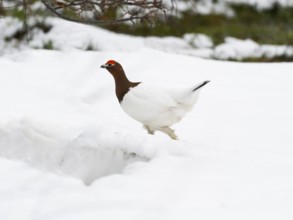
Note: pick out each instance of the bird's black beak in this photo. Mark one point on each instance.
(107, 65)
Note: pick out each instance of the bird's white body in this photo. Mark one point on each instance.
(156, 107)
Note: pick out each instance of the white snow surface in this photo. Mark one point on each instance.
(68, 151)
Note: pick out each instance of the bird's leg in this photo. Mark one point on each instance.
(170, 132)
(148, 129)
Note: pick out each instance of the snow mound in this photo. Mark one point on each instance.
(87, 156)
(237, 49)
(198, 40)
(234, 48)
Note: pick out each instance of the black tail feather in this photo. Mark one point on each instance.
(200, 85)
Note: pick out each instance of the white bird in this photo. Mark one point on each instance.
(156, 108)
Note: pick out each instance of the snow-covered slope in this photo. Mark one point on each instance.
(69, 152)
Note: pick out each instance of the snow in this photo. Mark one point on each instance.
(213, 7)
(65, 36)
(206, 7)
(262, 4)
(198, 40)
(240, 49)
(234, 48)
(68, 151)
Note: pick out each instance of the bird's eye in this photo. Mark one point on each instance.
(110, 64)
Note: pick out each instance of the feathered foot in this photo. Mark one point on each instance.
(170, 132)
(148, 129)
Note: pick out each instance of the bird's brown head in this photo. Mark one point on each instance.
(122, 83)
(113, 67)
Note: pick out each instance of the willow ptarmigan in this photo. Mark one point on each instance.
(156, 108)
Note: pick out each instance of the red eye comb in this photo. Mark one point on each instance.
(112, 62)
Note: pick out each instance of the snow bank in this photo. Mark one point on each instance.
(240, 49)
(68, 36)
(199, 40)
(86, 156)
(237, 49)
(213, 7)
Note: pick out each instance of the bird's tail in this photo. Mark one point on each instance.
(200, 85)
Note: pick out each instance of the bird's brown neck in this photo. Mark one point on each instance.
(122, 84)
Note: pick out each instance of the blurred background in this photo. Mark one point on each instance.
(236, 30)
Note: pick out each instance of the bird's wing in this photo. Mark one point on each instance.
(154, 95)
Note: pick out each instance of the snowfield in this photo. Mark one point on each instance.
(68, 151)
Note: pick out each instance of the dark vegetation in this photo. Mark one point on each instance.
(282, 58)
(269, 26)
